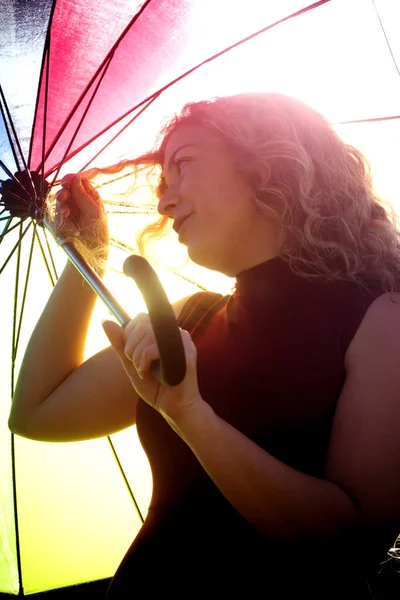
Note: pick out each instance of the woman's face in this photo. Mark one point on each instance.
(212, 204)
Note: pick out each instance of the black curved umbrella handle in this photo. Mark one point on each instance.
(171, 368)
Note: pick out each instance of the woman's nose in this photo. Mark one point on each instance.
(168, 201)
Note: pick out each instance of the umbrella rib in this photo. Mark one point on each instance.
(125, 479)
(14, 476)
(34, 235)
(16, 245)
(147, 103)
(10, 230)
(125, 203)
(130, 212)
(121, 246)
(9, 173)
(4, 108)
(386, 38)
(46, 98)
(50, 254)
(17, 181)
(110, 181)
(11, 194)
(190, 71)
(2, 236)
(14, 487)
(11, 124)
(370, 120)
(188, 279)
(81, 121)
(53, 283)
(104, 64)
(45, 49)
(16, 335)
(15, 345)
(113, 138)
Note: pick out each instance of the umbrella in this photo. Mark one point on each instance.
(87, 83)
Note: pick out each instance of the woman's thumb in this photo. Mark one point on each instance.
(115, 334)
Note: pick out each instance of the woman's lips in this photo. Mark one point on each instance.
(179, 223)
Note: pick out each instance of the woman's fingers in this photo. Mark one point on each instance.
(63, 195)
(140, 344)
(81, 195)
(135, 343)
(115, 334)
(62, 221)
(143, 355)
(67, 179)
(140, 318)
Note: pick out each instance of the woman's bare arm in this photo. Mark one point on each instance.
(59, 397)
(361, 484)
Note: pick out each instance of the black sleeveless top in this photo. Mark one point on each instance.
(271, 363)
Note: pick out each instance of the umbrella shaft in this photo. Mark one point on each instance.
(92, 279)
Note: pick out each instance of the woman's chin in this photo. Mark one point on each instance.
(198, 257)
(205, 259)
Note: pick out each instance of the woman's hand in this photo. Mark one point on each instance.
(137, 349)
(80, 212)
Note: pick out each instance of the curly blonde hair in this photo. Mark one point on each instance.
(306, 178)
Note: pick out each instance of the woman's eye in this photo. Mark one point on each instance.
(181, 163)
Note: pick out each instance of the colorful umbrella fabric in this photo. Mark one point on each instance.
(87, 83)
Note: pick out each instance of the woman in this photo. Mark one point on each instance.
(275, 461)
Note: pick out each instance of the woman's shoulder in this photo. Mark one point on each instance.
(354, 301)
(199, 304)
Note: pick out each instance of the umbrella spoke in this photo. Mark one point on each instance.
(148, 101)
(5, 113)
(7, 171)
(131, 212)
(2, 202)
(386, 38)
(187, 279)
(125, 480)
(121, 245)
(46, 97)
(10, 193)
(15, 333)
(226, 50)
(104, 65)
(371, 120)
(36, 236)
(14, 142)
(12, 383)
(16, 245)
(5, 229)
(114, 179)
(81, 120)
(115, 136)
(18, 182)
(14, 495)
(51, 256)
(46, 262)
(126, 248)
(127, 204)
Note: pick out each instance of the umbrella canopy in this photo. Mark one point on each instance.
(89, 82)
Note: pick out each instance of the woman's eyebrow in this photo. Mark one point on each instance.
(175, 152)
